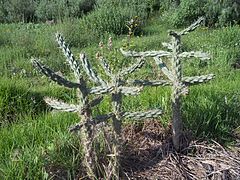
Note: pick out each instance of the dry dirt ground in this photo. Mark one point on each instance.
(149, 155)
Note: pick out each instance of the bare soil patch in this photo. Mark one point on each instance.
(149, 154)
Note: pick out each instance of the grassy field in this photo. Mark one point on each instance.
(35, 141)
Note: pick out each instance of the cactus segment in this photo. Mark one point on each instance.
(74, 65)
(197, 54)
(192, 27)
(145, 54)
(143, 115)
(88, 69)
(132, 68)
(150, 83)
(61, 106)
(53, 76)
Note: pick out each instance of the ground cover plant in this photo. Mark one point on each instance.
(35, 141)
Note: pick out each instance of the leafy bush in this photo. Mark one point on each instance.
(57, 9)
(217, 13)
(17, 10)
(111, 16)
(187, 12)
(35, 10)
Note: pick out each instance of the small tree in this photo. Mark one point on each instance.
(174, 74)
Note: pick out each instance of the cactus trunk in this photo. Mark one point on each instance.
(177, 124)
(87, 148)
(176, 91)
(117, 126)
(87, 131)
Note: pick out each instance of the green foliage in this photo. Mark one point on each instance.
(216, 116)
(217, 13)
(39, 148)
(16, 100)
(187, 12)
(42, 10)
(58, 9)
(17, 10)
(111, 16)
(222, 12)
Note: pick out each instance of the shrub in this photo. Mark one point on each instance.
(58, 9)
(217, 13)
(187, 12)
(111, 16)
(17, 11)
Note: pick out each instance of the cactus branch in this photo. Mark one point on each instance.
(164, 68)
(61, 106)
(88, 69)
(106, 67)
(130, 90)
(192, 27)
(132, 68)
(197, 79)
(100, 90)
(167, 45)
(69, 55)
(197, 54)
(53, 76)
(143, 115)
(145, 54)
(150, 83)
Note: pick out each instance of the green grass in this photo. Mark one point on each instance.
(30, 148)
(35, 141)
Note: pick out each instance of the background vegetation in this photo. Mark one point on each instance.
(35, 141)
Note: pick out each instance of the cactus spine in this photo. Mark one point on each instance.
(174, 74)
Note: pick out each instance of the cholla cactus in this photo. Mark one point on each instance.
(84, 107)
(118, 89)
(174, 74)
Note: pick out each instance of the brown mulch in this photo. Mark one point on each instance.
(149, 154)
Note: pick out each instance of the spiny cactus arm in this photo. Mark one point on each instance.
(96, 101)
(69, 55)
(197, 79)
(95, 121)
(130, 90)
(101, 90)
(61, 106)
(132, 68)
(143, 115)
(197, 54)
(53, 76)
(164, 68)
(192, 27)
(88, 69)
(145, 54)
(150, 83)
(105, 66)
(167, 45)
